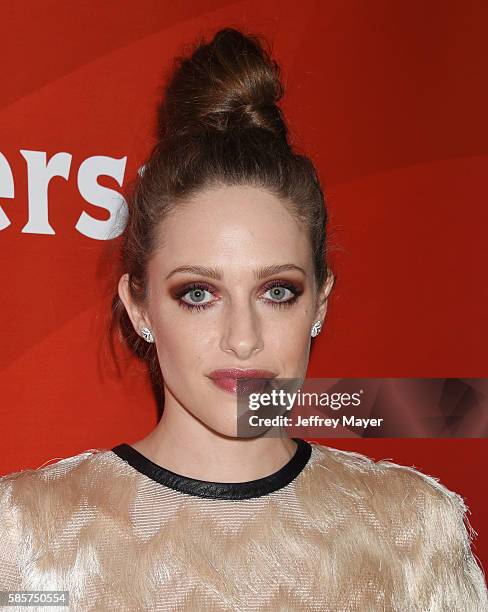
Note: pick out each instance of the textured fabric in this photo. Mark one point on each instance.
(346, 535)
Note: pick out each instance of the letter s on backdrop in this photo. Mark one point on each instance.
(111, 200)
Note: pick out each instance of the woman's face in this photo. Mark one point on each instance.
(230, 286)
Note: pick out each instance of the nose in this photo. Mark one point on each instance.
(242, 332)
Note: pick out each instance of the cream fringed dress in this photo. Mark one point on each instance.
(332, 531)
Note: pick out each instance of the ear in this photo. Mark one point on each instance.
(136, 314)
(322, 298)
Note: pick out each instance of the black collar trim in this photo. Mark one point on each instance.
(218, 490)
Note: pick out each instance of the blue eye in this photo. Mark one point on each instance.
(196, 296)
(280, 294)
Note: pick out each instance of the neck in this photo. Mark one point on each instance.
(183, 444)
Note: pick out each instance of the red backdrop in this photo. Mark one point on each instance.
(388, 98)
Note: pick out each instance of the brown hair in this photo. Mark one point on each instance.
(219, 123)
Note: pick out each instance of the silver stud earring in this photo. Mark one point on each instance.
(315, 331)
(147, 334)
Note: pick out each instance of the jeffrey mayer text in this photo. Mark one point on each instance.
(312, 421)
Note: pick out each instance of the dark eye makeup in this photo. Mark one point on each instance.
(283, 294)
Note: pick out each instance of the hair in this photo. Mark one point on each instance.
(219, 123)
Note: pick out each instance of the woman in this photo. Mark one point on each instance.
(224, 276)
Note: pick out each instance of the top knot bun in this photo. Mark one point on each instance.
(227, 84)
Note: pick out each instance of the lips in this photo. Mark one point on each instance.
(227, 379)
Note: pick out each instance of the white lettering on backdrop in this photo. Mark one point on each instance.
(40, 171)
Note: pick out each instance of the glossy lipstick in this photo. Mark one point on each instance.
(227, 379)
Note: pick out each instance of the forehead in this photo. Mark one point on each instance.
(232, 225)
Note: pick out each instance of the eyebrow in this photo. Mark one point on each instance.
(217, 274)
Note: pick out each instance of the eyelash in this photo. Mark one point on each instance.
(205, 287)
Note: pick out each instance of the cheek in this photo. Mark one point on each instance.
(291, 348)
(295, 346)
(181, 343)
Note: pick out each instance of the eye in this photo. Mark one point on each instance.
(281, 294)
(195, 296)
